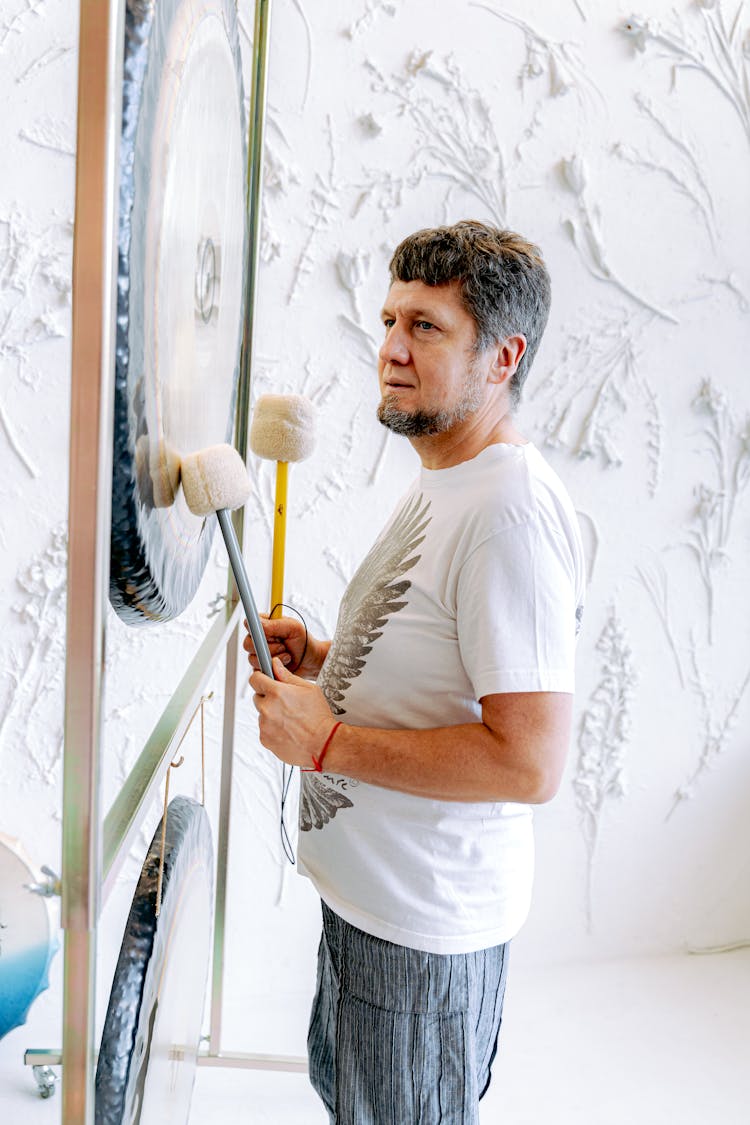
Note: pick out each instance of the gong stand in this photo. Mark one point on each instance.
(94, 850)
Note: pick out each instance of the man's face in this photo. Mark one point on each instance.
(430, 376)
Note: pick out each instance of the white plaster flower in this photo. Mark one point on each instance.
(271, 244)
(417, 61)
(560, 80)
(369, 124)
(352, 269)
(535, 64)
(574, 174)
(708, 502)
(639, 30)
(746, 44)
(484, 161)
(710, 398)
(278, 174)
(707, 4)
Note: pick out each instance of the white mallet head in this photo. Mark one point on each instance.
(283, 428)
(157, 470)
(214, 478)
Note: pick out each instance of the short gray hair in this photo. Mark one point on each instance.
(503, 282)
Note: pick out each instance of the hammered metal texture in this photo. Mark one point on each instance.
(146, 945)
(155, 567)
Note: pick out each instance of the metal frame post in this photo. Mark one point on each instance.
(259, 83)
(89, 514)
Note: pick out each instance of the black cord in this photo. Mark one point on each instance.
(286, 778)
(286, 781)
(283, 605)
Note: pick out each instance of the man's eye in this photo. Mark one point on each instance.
(388, 322)
(424, 324)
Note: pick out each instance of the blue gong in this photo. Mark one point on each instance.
(28, 938)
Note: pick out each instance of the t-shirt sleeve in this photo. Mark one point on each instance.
(516, 612)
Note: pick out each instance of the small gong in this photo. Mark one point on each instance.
(149, 1048)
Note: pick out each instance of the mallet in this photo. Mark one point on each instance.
(157, 471)
(215, 480)
(282, 430)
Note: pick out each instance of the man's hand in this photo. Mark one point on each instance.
(294, 718)
(288, 639)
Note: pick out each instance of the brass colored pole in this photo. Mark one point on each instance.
(91, 424)
(279, 538)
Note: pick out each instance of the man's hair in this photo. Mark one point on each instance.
(502, 279)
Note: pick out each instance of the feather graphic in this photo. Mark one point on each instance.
(376, 591)
(319, 803)
(371, 597)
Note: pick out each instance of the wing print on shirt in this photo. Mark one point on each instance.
(319, 803)
(373, 594)
(376, 591)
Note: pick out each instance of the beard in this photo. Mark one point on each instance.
(420, 423)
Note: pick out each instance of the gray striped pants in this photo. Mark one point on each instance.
(402, 1037)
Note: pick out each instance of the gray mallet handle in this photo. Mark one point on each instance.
(246, 595)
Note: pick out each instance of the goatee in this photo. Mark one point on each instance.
(414, 424)
(420, 423)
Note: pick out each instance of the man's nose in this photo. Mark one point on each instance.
(394, 348)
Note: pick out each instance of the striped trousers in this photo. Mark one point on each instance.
(402, 1037)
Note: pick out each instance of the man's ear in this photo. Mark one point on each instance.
(507, 356)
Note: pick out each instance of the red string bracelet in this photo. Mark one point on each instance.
(317, 766)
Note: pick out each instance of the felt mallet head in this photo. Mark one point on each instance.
(157, 471)
(283, 428)
(214, 479)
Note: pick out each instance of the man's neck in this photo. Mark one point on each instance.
(464, 441)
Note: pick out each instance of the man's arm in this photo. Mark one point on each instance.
(517, 753)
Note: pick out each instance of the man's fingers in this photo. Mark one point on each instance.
(261, 683)
(275, 647)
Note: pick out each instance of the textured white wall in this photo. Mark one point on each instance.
(622, 146)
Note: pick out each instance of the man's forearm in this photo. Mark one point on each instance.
(459, 763)
(516, 753)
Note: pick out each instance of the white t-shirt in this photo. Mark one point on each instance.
(474, 587)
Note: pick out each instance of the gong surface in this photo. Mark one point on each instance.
(181, 263)
(148, 1054)
(27, 938)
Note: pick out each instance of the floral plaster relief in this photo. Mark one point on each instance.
(372, 9)
(52, 134)
(588, 237)
(453, 123)
(715, 511)
(603, 741)
(34, 306)
(719, 49)
(19, 23)
(33, 670)
(596, 381)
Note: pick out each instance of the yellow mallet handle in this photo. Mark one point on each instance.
(279, 538)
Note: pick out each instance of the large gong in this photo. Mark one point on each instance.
(181, 264)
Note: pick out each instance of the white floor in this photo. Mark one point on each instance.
(649, 1041)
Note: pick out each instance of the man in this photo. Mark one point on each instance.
(442, 707)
